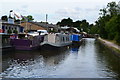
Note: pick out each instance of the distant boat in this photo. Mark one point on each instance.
(76, 39)
(56, 40)
(38, 32)
(26, 42)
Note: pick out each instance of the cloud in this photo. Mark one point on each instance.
(56, 9)
(78, 13)
(24, 6)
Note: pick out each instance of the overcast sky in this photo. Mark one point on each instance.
(56, 9)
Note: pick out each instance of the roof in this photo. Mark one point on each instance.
(5, 23)
(45, 25)
(32, 26)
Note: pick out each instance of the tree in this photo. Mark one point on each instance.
(84, 25)
(113, 27)
(103, 12)
(112, 8)
(28, 18)
(77, 24)
(109, 23)
(81, 25)
(5, 18)
(66, 22)
(15, 31)
(58, 23)
(9, 31)
(93, 30)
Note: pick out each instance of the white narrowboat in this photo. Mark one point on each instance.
(56, 40)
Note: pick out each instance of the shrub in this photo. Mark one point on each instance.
(117, 38)
(15, 31)
(9, 31)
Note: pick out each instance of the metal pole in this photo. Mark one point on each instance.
(46, 22)
(26, 25)
(46, 18)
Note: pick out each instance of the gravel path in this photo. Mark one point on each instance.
(110, 44)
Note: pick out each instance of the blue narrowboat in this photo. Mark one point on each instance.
(76, 39)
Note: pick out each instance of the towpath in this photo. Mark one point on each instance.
(110, 44)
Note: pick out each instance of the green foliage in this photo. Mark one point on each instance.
(65, 22)
(5, 18)
(94, 30)
(109, 23)
(28, 18)
(81, 25)
(84, 25)
(15, 31)
(103, 11)
(112, 8)
(117, 38)
(77, 24)
(9, 31)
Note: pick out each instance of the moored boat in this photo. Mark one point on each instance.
(26, 42)
(76, 39)
(56, 40)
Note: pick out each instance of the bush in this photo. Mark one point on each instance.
(15, 31)
(117, 38)
(9, 31)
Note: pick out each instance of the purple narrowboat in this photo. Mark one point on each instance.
(23, 42)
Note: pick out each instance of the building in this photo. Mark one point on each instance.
(48, 27)
(31, 26)
(11, 28)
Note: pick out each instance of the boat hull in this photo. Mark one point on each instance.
(76, 39)
(51, 48)
(21, 44)
(77, 43)
(56, 44)
(26, 48)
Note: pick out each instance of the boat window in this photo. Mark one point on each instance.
(9, 28)
(60, 39)
(63, 39)
(67, 38)
(6, 27)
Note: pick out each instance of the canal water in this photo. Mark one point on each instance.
(90, 60)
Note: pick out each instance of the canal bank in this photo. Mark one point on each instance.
(114, 48)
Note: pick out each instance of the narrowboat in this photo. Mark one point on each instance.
(56, 40)
(26, 42)
(76, 39)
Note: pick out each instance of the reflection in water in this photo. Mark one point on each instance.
(90, 60)
(24, 64)
(110, 61)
